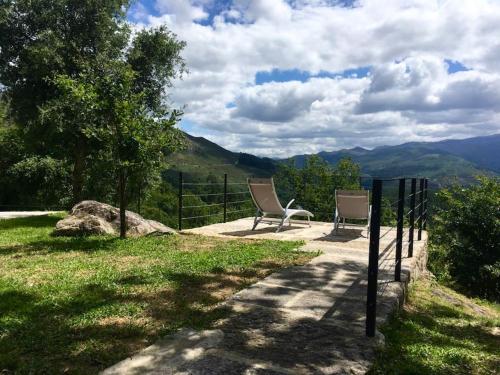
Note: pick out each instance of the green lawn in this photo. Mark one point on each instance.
(78, 305)
(441, 332)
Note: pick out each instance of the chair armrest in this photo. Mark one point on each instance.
(289, 204)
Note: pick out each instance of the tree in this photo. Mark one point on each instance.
(122, 104)
(42, 41)
(465, 237)
(86, 90)
(136, 139)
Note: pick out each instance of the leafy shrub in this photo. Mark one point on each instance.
(465, 237)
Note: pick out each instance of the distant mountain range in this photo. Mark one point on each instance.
(442, 161)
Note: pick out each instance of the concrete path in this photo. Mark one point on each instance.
(15, 214)
(300, 320)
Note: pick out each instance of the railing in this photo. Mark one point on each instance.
(375, 261)
(229, 198)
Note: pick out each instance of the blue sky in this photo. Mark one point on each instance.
(280, 77)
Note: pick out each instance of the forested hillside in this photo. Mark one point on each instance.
(443, 162)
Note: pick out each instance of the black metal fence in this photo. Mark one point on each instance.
(382, 260)
(219, 201)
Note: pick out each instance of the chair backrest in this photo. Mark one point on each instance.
(353, 204)
(264, 195)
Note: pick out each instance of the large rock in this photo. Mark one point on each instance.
(92, 217)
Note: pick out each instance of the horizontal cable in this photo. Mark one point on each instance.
(246, 209)
(202, 183)
(235, 202)
(196, 217)
(240, 192)
(202, 195)
(237, 183)
(204, 205)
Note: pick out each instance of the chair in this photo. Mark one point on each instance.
(352, 204)
(267, 203)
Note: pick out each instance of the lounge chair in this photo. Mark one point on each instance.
(352, 204)
(267, 203)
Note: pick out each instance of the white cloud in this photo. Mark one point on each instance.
(181, 10)
(423, 84)
(409, 94)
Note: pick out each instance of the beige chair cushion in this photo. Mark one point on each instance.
(264, 195)
(353, 204)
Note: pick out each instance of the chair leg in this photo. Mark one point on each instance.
(281, 224)
(369, 224)
(257, 220)
(336, 224)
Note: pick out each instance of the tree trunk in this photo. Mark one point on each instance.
(78, 172)
(123, 217)
(139, 201)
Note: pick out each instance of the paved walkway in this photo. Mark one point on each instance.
(300, 320)
(15, 214)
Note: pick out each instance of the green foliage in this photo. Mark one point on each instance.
(313, 186)
(440, 332)
(37, 181)
(40, 181)
(465, 237)
(89, 95)
(79, 305)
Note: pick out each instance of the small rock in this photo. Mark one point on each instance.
(95, 218)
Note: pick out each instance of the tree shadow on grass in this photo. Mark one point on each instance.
(91, 328)
(62, 244)
(30, 222)
(437, 340)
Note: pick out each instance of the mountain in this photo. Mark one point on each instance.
(483, 151)
(201, 157)
(442, 161)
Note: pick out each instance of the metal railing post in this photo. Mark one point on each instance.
(180, 201)
(412, 216)
(225, 197)
(399, 237)
(426, 184)
(420, 209)
(371, 298)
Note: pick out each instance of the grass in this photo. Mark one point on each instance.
(78, 305)
(441, 332)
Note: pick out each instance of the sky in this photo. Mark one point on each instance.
(277, 78)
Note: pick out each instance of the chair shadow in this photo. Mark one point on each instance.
(270, 228)
(343, 235)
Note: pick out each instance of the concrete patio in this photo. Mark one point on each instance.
(301, 320)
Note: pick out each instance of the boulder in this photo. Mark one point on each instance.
(92, 217)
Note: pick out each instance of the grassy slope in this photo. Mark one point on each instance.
(202, 157)
(81, 304)
(441, 332)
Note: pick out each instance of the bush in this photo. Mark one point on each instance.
(465, 237)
